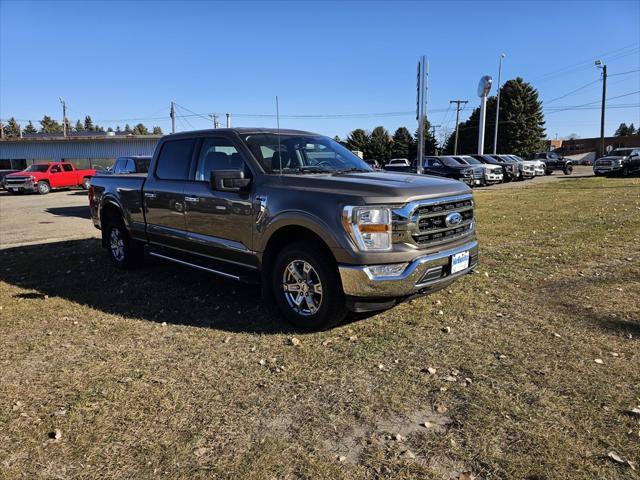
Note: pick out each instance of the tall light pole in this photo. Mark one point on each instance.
(421, 108)
(457, 102)
(483, 90)
(64, 116)
(495, 130)
(601, 65)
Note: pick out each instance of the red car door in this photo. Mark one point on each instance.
(55, 176)
(69, 177)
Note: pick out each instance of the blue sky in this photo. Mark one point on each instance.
(123, 62)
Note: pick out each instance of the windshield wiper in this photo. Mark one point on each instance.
(314, 169)
(352, 169)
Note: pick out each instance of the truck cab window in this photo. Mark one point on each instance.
(218, 154)
(174, 160)
(66, 167)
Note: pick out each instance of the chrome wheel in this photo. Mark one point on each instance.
(302, 288)
(116, 243)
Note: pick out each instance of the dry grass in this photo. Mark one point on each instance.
(84, 349)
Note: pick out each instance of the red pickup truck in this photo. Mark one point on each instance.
(44, 177)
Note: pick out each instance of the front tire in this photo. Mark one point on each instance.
(307, 288)
(568, 169)
(43, 187)
(124, 252)
(86, 183)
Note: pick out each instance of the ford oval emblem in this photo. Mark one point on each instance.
(453, 219)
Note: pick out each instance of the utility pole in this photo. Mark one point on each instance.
(495, 130)
(64, 116)
(599, 64)
(457, 102)
(214, 117)
(173, 117)
(228, 120)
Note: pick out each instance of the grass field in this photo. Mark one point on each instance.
(525, 370)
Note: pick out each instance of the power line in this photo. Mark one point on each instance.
(573, 91)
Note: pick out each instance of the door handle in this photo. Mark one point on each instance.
(150, 195)
(191, 199)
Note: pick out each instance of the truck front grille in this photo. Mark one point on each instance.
(16, 180)
(423, 223)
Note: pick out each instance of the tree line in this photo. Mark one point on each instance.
(52, 126)
(521, 130)
(624, 130)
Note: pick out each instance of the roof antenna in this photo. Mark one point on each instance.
(278, 133)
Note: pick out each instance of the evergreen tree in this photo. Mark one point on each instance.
(30, 129)
(49, 125)
(380, 144)
(118, 128)
(98, 128)
(109, 129)
(521, 129)
(12, 128)
(127, 128)
(79, 127)
(402, 146)
(140, 129)
(622, 130)
(632, 130)
(157, 131)
(430, 142)
(358, 140)
(88, 124)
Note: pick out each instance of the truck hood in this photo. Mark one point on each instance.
(372, 187)
(24, 174)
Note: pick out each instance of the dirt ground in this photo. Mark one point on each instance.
(528, 369)
(60, 215)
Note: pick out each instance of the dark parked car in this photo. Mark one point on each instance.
(4, 173)
(296, 211)
(621, 161)
(553, 161)
(510, 171)
(450, 167)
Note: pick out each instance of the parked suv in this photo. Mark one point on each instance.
(622, 161)
(129, 165)
(296, 211)
(553, 161)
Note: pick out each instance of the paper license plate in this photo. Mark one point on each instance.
(459, 262)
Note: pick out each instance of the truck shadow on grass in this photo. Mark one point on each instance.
(79, 271)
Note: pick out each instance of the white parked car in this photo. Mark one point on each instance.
(539, 166)
(492, 173)
(399, 162)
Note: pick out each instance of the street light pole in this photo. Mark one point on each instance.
(64, 116)
(483, 90)
(599, 64)
(495, 130)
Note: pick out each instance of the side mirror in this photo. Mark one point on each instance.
(228, 180)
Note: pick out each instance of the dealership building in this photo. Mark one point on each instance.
(85, 150)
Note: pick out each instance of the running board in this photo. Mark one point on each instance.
(198, 267)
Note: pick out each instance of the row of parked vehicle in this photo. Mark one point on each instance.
(482, 170)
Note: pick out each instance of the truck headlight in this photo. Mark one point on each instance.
(368, 227)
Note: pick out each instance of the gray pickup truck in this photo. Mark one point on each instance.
(295, 211)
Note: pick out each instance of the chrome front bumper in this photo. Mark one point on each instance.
(423, 275)
(26, 185)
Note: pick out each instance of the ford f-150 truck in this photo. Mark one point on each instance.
(296, 211)
(622, 161)
(44, 177)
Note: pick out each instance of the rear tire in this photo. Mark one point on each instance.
(124, 252)
(568, 169)
(86, 183)
(307, 288)
(43, 187)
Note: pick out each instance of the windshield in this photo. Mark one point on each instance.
(621, 152)
(471, 160)
(302, 154)
(37, 168)
(451, 161)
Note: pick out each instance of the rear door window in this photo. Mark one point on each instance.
(67, 168)
(174, 159)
